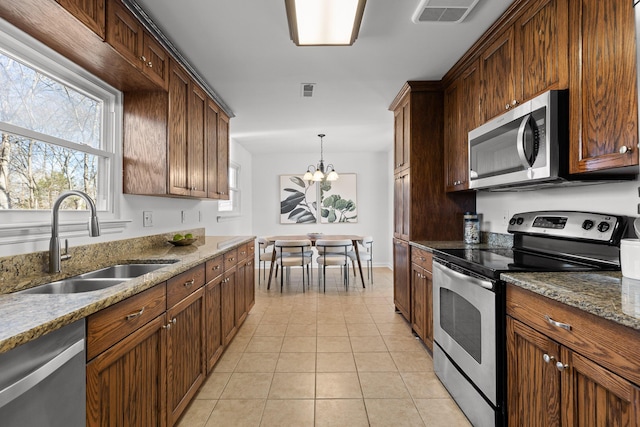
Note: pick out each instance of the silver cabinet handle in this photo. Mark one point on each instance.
(547, 358)
(561, 366)
(624, 149)
(28, 382)
(557, 324)
(189, 283)
(134, 315)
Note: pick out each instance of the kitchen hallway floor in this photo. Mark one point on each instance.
(343, 358)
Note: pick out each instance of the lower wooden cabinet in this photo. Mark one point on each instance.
(149, 354)
(401, 278)
(126, 384)
(186, 362)
(560, 380)
(422, 296)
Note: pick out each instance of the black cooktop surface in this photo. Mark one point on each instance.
(492, 262)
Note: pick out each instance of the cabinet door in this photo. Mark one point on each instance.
(401, 278)
(197, 155)
(155, 61)
(452, 134)
(90, 12)
(240, 303)
(211, 143)
(402, 205)
(428, 306)
(213, 321)
(603, 94)
(418, 301)
(533, 385)
(126, 383)
(124, 33)
(402, 135)
(250, 285)
(186, 362)
(177, 131)
(541, 36)
(228, 305)
(498, 77)
(223, 156)
(594, 396)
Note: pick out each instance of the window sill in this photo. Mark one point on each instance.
(39, 231)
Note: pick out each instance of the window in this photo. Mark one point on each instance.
(58, 130)
(231, 207)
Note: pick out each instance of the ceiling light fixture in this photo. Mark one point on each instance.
(324, 22)
(319, 173)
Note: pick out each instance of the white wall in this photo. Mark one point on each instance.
(616, 198)
(167, 215)
(375, 200)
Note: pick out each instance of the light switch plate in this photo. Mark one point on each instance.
(147, 219)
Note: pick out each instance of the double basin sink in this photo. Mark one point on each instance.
(97, 279)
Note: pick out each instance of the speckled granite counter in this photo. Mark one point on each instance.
(605, 294)
(29, 316)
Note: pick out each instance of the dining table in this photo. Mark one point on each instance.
(313, 237)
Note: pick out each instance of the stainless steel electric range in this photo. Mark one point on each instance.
(468, 298)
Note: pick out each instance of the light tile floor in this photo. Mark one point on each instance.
(340, 358)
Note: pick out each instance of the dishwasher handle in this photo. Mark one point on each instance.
(26, 383)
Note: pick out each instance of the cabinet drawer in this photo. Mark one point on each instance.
(183, 284)
(230, 258)
(607, 343)
(112, 324)
(421, 257)
(214, 268)
(243, 252)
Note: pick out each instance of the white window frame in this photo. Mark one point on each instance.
(234, 195)
(18, 226)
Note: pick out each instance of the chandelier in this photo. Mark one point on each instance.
(319, 172)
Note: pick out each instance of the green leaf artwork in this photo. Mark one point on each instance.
(338, 200)
(297, 202)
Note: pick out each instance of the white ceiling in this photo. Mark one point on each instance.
(243, 51)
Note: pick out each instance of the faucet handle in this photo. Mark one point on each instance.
(66, 254)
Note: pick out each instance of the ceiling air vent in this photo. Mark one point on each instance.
(306, 89)
(452, 11)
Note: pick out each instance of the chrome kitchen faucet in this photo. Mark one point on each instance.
(54, 243)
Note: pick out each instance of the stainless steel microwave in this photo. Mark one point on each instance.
(522, 146)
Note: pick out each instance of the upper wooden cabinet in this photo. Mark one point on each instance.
(90, 12)
(527, 58)
(603, 94)
(222, 166)
(127, 35)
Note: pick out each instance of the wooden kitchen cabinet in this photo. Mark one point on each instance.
(211, 118)
(402, 278)
(196, 144)
(228, 296)
(603, 94)
(127, 35)
(422, 295)
(582, 374)
(250, 277)
(402, 135)
(90, 12)
(401, 204)
(499, 81)
(223, 157)
(213, 311)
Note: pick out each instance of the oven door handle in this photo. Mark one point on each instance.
(453, 271)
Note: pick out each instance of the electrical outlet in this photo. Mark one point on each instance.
(183, 216)
(505, 217)
(147, 219)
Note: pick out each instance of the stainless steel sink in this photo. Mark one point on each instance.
(123, 271)
(95, 280)
(73, 285)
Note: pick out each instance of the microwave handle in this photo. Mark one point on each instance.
(521, 141)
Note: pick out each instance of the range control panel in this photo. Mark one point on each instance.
(569, 225)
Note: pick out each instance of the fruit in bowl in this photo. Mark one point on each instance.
(180, 240)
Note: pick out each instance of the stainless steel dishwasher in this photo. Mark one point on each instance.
(42, 382)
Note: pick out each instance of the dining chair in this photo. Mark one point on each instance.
(291, 253)
(265, 255)
(333, 252)
(365, 251)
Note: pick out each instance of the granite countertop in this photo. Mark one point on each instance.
(605, 294)
(28, 316)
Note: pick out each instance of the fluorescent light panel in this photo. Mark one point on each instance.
(324, 22)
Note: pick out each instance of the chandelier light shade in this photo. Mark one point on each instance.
(320, 172)
(324, 22)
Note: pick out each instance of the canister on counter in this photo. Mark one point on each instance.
(471, 228)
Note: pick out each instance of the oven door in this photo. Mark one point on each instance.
(464, 321)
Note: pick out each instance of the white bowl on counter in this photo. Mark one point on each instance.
(630, 258)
